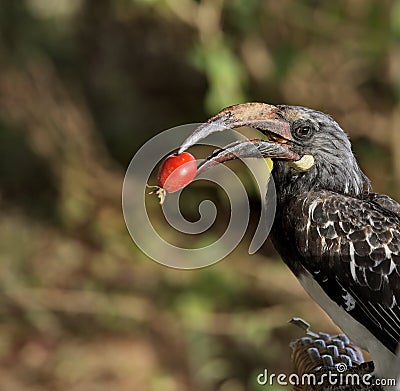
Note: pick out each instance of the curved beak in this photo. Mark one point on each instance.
(261, 116)
(248, 149)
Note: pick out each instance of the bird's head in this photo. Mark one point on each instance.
(309, 149)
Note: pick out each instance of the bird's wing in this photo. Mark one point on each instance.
(352, 248)
(385, 202)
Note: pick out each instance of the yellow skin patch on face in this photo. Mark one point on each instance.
(304, 164)
(270, 163)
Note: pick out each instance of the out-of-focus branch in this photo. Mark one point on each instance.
(82, 302)
(61, 132)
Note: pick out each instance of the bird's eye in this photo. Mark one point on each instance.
(303, 131)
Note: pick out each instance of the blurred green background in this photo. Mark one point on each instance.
(83, 84)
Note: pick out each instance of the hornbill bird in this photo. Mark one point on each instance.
(340, 239)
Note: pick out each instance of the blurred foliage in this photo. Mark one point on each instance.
(83, 84)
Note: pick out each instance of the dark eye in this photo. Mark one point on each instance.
(303, 131)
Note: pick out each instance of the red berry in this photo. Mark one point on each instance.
(177, 171)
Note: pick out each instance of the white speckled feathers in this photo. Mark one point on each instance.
(351, 246)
